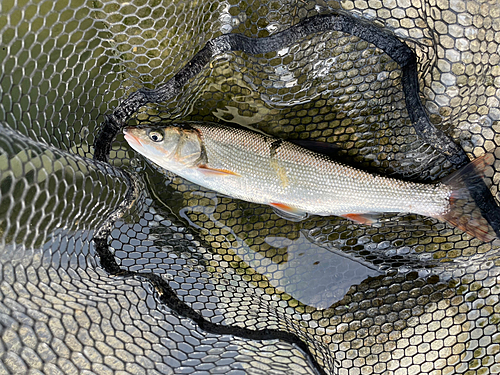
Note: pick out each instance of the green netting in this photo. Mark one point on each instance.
(198, 283)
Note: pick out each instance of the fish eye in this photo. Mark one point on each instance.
(156, 135)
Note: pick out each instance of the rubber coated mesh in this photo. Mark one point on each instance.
(198, 283)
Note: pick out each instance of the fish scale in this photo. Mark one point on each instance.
(285, 173)
(255, 167)
(316, 185)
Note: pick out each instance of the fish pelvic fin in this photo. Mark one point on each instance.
(288, 212)
(463, 211)
(365, 218)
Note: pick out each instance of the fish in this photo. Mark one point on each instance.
(298, 182)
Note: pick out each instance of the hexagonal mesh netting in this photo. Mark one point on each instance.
(109, 264)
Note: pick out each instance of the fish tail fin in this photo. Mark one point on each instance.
(463, 211)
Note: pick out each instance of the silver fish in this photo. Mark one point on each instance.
(258, 168)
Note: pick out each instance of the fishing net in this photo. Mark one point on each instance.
(109, 264)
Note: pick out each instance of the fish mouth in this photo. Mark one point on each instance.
(132, 140)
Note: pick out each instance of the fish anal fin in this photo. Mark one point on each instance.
(288, 212)
(216, 171)
(366, 218)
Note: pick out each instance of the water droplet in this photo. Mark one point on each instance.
(235, 21)
(272, 28)
(485, 121)
(382, 76)
(284, 51)
(226, 29)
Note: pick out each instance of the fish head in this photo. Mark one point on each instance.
(169, 146)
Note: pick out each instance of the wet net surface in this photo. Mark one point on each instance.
(124, 268)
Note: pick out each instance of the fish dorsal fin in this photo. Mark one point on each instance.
(288, 212)
(216, 172)
(328, 149)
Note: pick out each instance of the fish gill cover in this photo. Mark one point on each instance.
(124, 268)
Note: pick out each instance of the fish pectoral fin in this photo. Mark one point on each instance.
(216, 172)
(288, 212)
(367, 218)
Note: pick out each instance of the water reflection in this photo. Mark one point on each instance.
(311, 274)
(316, 276)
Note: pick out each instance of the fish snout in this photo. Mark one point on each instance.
(131, 139)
